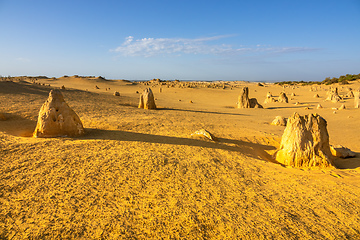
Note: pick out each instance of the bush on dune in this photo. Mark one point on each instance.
(327, 81)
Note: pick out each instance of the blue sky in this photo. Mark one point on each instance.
(257, 40)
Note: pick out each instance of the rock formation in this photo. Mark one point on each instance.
(342, 107)
(341, 152)
(56, 118)
(204, 133)
(333, 95)
(279, 121)
(245, 102)
(357, 99)
(283, 98)
(147, 100)
(305, 142)
(269, 98)
(316, 95)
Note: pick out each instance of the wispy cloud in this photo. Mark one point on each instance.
(148, 47)
(21, 59)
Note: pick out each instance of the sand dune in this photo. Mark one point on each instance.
(139, 173)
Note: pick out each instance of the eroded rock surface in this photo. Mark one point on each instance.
(269, 98)
(283, 98)
(305, 142)
(204, 133)
(245, 102)
(357, 99)
(56, 118)
(342, 152)
(279, 121)
(147, 100)
(333, 95)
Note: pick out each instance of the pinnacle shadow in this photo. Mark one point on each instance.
(200, 111)
(348, 163)
(8, 87)
(250, 149)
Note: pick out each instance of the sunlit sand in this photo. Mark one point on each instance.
(143, 173)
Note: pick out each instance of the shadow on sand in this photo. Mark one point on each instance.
(347, 163)
(199, 111)
(17, 126)
(8, 87)
(250, 149)
(285, 107)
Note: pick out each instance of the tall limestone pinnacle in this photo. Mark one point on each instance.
(147, 100)
(245, 102)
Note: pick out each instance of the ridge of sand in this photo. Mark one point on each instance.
(139, 174)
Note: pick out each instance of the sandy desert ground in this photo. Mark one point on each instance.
(139, 174)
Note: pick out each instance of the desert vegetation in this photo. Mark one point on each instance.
(343, 79)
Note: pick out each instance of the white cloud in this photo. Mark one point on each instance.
(21, 59)
(148, 47)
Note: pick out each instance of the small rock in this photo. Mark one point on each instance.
(279, 121)
(116, 93)
(341, 152)
(205, 133)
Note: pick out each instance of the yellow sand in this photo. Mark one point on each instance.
(139, 174)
